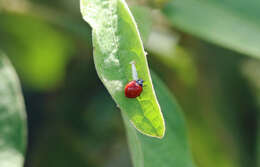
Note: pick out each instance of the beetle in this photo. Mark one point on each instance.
(134, 88)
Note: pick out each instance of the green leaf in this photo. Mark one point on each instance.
(232, 24)
(117, 42)
(173, 149)
(12, 117)
(144, 20)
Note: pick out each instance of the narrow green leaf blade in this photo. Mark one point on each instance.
(117, 42)
(173, 149)
(233, 24)
(12, 117)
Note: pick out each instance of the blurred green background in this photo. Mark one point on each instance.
(73, 121)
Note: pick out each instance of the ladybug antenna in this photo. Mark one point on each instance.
(134, 72)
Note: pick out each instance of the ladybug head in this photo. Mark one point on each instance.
(140, 82)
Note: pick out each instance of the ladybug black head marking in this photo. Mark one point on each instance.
(140, 82)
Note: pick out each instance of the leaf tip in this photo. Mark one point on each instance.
(160, 133)
(161, 136)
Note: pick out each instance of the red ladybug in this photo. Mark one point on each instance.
(134, 88)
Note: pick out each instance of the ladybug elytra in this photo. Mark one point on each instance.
(134, 88)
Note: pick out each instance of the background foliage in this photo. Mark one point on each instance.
(206, 52)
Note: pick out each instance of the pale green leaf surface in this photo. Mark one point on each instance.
(12, 117)
(232, 24)
(117, 42)
(173, 149)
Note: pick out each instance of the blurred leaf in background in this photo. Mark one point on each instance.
(41, 53)
(251, 70)
(13, 129)
(232, 24)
